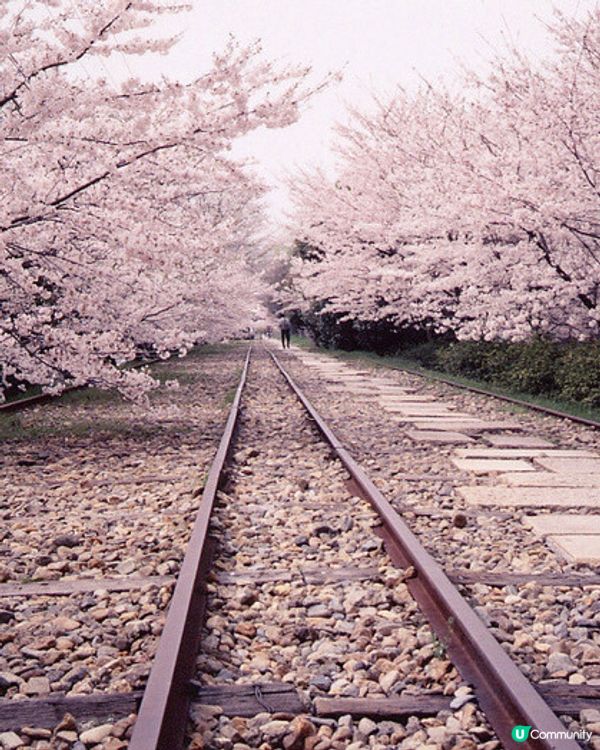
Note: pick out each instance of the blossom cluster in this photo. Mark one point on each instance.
(476, 212)
(124, 225)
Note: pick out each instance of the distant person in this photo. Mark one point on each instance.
(286, 331)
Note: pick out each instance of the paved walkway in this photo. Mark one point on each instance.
(527, 471)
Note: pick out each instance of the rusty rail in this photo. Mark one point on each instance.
(24, 403)
(162, 717)
(504, 693)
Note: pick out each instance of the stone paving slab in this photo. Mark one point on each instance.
(577, 547)
(390, 389)
(425, 410)
(401, 398)
(491, 465)
(355, 390)
(437, 425)
(349, 386)
(566, 497)
(517, 441)
(484, 452)
(563, 523)
(342, 372)
(338, 375)
(439, 437)
(459, 425)
(549, 479)
(406, 414)
(569, 465)
(350, 380)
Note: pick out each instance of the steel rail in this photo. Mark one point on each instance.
(504, 693)
(509, 399)
(163, 714)
(24, 403)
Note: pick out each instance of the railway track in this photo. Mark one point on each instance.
(425, 444)
(335, 572)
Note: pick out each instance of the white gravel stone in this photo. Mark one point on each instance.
(10, 741)
(96, 734)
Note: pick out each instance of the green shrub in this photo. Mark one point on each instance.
(540, 367)
(472, 359)
(425, 354)
(530, 367)
(578, 373)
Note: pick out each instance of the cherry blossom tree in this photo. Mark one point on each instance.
(477, 213)
(122, 221)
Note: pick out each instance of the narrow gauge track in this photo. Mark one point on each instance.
(505, 695)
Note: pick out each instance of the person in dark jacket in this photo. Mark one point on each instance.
(286, 331)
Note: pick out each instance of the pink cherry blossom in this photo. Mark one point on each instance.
(123, 224)
(477, 212)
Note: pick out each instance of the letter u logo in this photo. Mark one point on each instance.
(520, 733)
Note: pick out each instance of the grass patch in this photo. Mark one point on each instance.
(198, 352)
(163, 370)
(12, 427)
(403, 363)
(52, 422)
(32, 390)
(230, 393)
(229, 396)
(91, 396)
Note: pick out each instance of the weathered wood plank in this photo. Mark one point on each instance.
(263, 575)
(562, 698)
(316, 575)
(88, 483)
(206, 693)
(570, 699)
(249, 700)
(82, 585)
(47, 712)
(301, 575)
(562, 688)
(399, 706)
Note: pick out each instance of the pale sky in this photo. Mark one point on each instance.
(377, 43)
